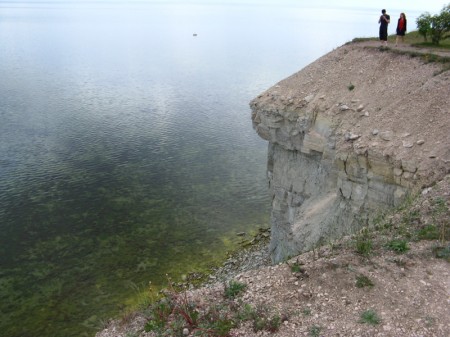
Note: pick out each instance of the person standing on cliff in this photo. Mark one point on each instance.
(401, 28)
(384, 21)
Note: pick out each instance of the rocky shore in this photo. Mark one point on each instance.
(335, 284)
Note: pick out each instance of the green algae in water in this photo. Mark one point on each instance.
(78, 240)
(80, 273)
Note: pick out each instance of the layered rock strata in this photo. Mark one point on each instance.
(349, 136)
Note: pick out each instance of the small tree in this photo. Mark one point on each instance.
(440, 25)
(424, 24)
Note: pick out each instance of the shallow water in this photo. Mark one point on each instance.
(126, 147)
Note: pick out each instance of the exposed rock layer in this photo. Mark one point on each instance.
(349, 136)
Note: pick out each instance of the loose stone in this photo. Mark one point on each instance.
(386, 135)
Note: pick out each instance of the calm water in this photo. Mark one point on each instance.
(126, 145)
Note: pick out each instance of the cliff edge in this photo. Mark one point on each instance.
(351, 135)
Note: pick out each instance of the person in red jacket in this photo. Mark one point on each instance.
(401, 28)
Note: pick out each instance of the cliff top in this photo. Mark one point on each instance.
(392, 101)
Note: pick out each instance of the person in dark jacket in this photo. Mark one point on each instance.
(401, 28)
(384, 21)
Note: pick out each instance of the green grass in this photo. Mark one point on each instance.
(415, 39)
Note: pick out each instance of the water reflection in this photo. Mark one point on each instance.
(126, 149)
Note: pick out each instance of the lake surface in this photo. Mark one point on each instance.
(126, 145)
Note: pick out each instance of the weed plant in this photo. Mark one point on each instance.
(363, 242)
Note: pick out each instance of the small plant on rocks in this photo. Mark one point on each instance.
(363, 281)
(234, 288)
(314, 331)
(262, 320)
(363, 242)
(370, 317)
(306, 312)
(398, 246)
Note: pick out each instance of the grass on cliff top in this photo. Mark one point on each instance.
(413, 39)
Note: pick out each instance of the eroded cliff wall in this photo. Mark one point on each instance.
(350, 135)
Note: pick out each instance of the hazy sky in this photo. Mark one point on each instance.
(432, 6)
(412, 8)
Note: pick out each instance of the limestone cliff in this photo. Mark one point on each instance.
(349, 136)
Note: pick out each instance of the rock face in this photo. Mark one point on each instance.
(329, 172)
